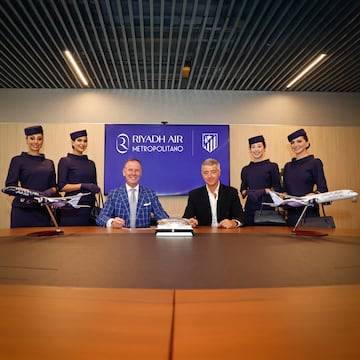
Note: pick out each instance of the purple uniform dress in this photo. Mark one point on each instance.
(30, 172)
(75, 169)
(255, 178)
(302, 177)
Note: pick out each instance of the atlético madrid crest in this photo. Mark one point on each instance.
(210, 141)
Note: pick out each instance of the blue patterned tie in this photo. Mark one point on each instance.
(132, 209)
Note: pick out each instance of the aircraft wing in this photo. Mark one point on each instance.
(65, 201)
(64, 198)
(291, 201)
(288, 203)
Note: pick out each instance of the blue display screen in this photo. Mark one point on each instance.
(171, 155)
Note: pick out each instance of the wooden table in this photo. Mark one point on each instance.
(81, 230)
(315, 314)
(50, 323)
(280, 323)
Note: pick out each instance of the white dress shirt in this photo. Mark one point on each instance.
(213, 197)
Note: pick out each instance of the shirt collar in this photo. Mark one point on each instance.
(128, 188)
(216, 190)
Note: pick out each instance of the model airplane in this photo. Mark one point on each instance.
(307, 201)
(310, 200)
(34, 196)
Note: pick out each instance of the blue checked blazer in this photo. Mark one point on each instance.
(117, 205)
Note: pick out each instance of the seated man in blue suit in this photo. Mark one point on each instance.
(117, 211)
(214, 204)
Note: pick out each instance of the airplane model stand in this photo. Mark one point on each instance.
(296, 231)
(57, 231)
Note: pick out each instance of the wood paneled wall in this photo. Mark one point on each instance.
(336, 146)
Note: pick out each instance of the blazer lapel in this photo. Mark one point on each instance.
(125, 199)
(206, 201)
(221, 200)
(141, 198)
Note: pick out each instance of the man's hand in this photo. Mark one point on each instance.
(118, 223)
(193, 222)
(228, 224)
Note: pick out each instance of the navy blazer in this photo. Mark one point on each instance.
(117, 205)
(228, 205)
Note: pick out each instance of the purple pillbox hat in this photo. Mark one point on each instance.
(296, 134)
(256, 139)
(31, 130)
(76, 134)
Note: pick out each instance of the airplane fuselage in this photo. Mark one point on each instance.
(34, 196)
(311, 200)
(330, 196)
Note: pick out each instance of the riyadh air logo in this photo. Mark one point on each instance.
(122, 143)
(210, 141)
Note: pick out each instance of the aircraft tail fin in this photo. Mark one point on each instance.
(276, 198)
(74, 201)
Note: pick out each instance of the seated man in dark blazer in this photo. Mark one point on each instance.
(214, 204)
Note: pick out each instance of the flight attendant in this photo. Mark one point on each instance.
(77, 173)
(31, 170)
(258, 178)
(303, 175)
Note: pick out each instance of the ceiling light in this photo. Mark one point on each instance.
(186, 69)
(186, 72)
(306, 70)
(75, 67)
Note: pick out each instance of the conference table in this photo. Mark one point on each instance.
(252, 293)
